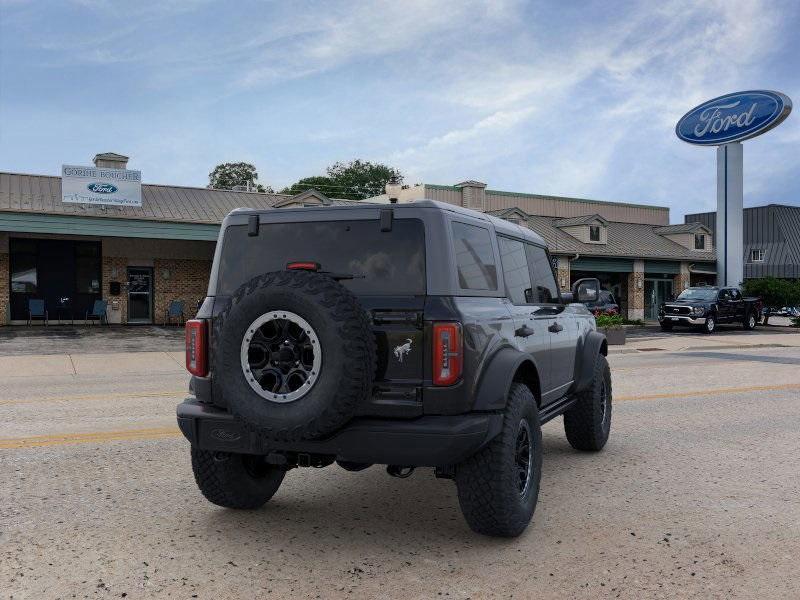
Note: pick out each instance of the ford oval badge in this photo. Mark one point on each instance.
(101, 188)
(733, 117)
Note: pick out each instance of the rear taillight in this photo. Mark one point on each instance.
(197, 347)
(303, 265)
(448, 354)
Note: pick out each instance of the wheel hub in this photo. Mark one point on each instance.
(523, 457)
(281, 356)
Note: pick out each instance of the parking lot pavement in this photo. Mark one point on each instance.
(696, 496)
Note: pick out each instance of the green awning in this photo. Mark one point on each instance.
(108, 227)
(670, 267)
(602, 265)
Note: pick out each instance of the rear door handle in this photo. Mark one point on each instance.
(555, 328)
(524, 331)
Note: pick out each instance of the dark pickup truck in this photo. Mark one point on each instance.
(705, 307)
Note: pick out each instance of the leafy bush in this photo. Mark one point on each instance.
(795, 321)
(609, 321)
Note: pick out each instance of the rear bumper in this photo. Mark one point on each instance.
(426, 441)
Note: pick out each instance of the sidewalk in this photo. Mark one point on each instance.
(118, 363)
(678, 340)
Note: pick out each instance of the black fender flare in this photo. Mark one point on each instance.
(594, 344)
(492, 389)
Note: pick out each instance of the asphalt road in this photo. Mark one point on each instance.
(696, 495)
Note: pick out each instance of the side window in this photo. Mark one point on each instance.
(735, 295)
(724, 295)
(515, 270)
(474, 257)
(544, 283)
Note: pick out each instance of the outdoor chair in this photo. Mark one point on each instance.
(37, 310)
(98, 312)
(175, 310)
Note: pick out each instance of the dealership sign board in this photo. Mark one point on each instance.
(95, 185)
(733, 117)
(725, 122)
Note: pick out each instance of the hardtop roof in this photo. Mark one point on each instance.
(500, 225)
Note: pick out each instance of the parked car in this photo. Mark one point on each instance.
(604, 305)
(706, 307)
(415, 335)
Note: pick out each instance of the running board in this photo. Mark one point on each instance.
(552, 410)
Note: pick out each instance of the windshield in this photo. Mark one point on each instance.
(698, 294)
(383, 263)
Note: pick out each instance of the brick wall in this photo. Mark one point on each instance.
(636, 291)
(179, 279)
(115, 268)
(4, 291)
(683, 280)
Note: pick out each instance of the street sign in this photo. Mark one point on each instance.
(733, 117)
(95, 185)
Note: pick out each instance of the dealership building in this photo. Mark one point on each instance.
(61, 244)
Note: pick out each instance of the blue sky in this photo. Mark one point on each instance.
(565, 98)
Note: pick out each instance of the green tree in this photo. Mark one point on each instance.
(228, 175)
(354, 180)
(774, 292)
(318, 182)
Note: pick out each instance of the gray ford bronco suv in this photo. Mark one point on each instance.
(408, 335)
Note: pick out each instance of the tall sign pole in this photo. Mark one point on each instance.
(730, 204)
(726, 122)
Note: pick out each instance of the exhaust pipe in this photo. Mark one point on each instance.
(399, 471)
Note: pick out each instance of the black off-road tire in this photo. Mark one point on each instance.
(347, 346)
(750, 321)
(239, 481)
(588, 423)
(487, 482)
(666, 326)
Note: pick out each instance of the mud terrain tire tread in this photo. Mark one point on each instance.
(487, 491)
(584, 424)
(225, 481)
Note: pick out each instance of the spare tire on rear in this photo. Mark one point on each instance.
(293, 355)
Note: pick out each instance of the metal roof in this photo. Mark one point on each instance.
(582, 220)
(682, 228)
(773, 228)
(41, 194)
(631, 240)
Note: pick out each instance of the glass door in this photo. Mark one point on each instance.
(656, 291)
(140, 295)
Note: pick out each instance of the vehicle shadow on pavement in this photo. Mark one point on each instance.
(373, 511)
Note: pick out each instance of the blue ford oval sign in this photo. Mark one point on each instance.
(101, 188)
(733, 117)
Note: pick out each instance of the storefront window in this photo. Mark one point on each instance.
(87, 268)
(23, 274)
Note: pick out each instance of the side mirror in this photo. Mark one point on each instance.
(586, 290)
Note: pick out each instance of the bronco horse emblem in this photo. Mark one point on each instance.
(402, 350)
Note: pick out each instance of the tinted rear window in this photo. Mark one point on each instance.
(392, 262)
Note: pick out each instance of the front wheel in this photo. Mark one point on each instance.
(666, 326)
(499, 485)
(710, 325)
(240, 481)
(750, 321)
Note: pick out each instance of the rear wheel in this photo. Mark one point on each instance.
(588, 423)
(498, 486)
(231, 480)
